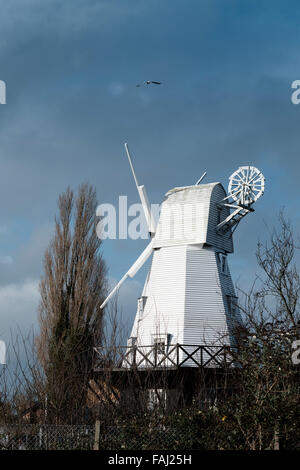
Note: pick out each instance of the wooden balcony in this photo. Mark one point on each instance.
(154, 357)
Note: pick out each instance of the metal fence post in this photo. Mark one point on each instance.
(97, 435)
(276, 436)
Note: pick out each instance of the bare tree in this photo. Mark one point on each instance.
(72, 289)
(282, 279)
(266, 405)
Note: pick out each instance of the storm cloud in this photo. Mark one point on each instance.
(71, 70)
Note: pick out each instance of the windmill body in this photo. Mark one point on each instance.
(188, 296)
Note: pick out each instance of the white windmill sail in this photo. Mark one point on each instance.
(131, 272)
(151, 226)
(143, 196)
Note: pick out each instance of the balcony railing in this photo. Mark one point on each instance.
(156, 357)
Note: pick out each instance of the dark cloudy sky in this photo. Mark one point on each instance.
(71, 67)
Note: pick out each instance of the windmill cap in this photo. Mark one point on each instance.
(193, 187)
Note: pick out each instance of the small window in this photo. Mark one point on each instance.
(223, 263)
(141, 305)
(232, 305)
(133, 341)
(160, 344)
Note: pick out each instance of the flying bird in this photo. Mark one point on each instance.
(148, 82)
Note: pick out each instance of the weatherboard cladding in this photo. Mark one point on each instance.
(185, 293)
(164, 290)
(216, 215)
(207, 319)
(189, 215)
(204, 307)
(185, 300)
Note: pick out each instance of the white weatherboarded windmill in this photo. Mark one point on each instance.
(188, 297)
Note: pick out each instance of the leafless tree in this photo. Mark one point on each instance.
(266, 403)
(72, 289)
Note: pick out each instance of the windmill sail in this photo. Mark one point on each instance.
(131, 272)
(143, 196)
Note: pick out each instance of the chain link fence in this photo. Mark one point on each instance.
(62, 437)
(47, 437)
(124, 437)
(71, 437)
(133, 438)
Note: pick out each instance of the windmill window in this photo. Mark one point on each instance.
(160, 345)
(133, 341)
(223, 263)
(141, 305)
(232, 304)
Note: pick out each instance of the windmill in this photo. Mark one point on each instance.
(188, 296)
